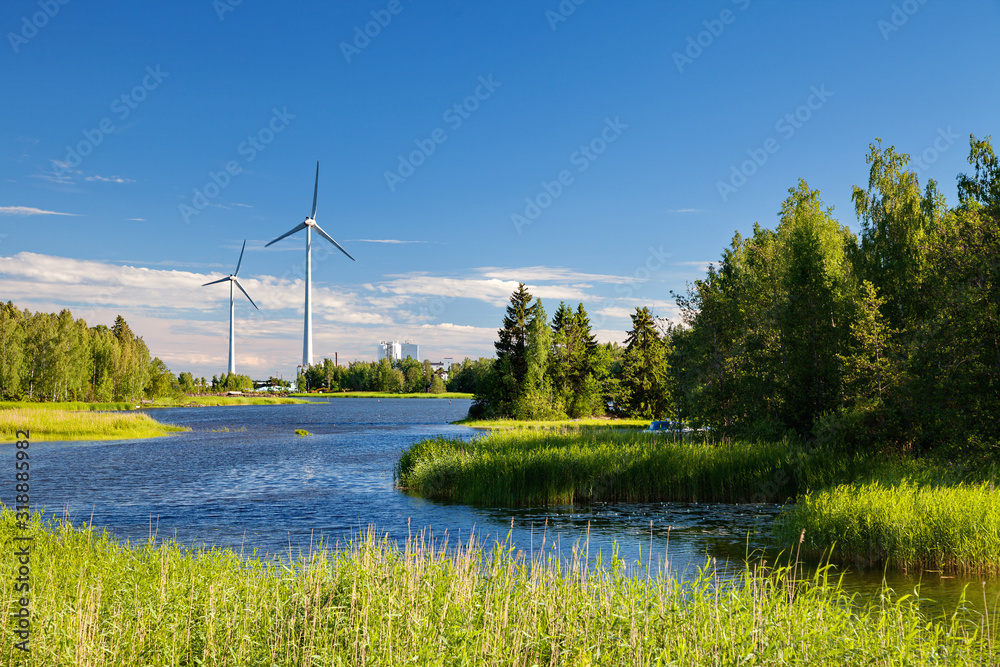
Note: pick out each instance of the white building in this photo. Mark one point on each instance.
(395, 351)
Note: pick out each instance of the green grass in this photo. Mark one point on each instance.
(98, 602)
(905, 525)
(586, 464)
(68, 405)
(198, 401)
(508, 424)
(382, 394)
(52, 424)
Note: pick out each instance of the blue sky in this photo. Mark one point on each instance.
(578, 148)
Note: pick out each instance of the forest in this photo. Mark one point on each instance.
(891, 336)
(52, 357)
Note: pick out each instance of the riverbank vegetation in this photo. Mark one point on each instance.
(386, 376)
(863, 508)
(200, 401)
(384, 394)
(550, 425)
(905, 525)
(50, 424)
(95, 601)
(598, 464)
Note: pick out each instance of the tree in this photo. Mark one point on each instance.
(644, 389)
(12, 333)
(982, 190)
(512, 345)
(894, 229)
(161, 380)
(814, 275)
(498, 395)
(535, 400)
(466, 376)
(870, 366)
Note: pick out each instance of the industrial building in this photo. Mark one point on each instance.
(396, 351)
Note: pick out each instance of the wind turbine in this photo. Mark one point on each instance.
(233, 280)
(309, 225)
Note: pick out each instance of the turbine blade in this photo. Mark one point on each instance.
(216, 281)
(329, 238)
(299, 227)
(241, 258)
(244, 292)
(315, 191)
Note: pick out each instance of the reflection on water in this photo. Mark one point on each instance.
(267, 490)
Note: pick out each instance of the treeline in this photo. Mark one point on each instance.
(52, 357)
(555, 369)
(400, 376)
(893, 336)
(889, 337)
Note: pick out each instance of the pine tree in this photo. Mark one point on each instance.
(644, 383)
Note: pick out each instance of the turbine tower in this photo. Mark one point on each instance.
(309, 225)
(233, 280)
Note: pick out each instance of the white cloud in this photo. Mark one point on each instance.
(106, 179)
(551, 274)
(391, 241)
(28, 210)
(685, 210)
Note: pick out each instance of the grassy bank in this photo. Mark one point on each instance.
(67, 405)
(96, 602)
(382, 394)
(52, 424)
(199, 401)
(538, 467)
(906, 525)
(563, 424)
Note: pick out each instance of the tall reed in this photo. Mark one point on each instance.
(903, 524)
(373, 602)
(584, 465)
